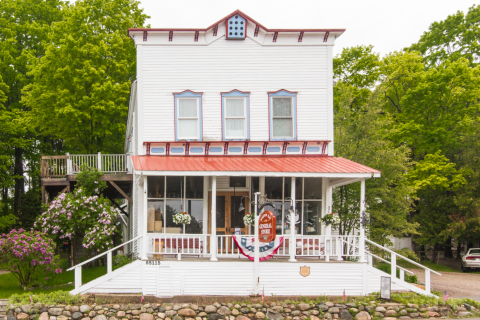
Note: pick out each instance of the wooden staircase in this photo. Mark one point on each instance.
(3, 309)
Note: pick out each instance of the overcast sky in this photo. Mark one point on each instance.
(388, 25)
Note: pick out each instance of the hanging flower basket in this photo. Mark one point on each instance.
(329, 219)
(182, 218)
(248, 219)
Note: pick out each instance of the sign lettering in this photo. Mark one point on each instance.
(267, 227)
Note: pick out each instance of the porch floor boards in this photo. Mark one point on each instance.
(281, 260)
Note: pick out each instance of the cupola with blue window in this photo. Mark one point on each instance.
(236, 28)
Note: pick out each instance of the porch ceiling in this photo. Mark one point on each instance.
(293, 166)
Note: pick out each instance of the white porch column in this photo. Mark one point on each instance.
(213, 217)
(362, 227)
(145, 219)
(205, 204)
(256, 257)
(293, 244)
(328, 229)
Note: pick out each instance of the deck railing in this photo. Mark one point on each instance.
(61, 166)
(53, 166)
(199, 245)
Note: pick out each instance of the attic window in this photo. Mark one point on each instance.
(236, 28)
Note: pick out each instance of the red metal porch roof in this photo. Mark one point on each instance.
(284, 163)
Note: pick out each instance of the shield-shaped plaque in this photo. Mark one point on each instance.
(305, 271)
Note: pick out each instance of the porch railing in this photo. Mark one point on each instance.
(199, 245)
(53, 166)
(61, 166)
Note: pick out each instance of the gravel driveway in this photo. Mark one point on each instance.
(458, 285)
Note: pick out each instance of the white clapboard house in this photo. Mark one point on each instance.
(216, 115)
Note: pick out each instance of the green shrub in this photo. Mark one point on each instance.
(55, 297)
(385, 267)
(120, 261)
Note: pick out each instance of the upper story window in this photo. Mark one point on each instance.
(283, 115)
(235, 110)
(188, 116)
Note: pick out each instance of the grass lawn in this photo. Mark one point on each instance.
(428, 264)
(10, 285)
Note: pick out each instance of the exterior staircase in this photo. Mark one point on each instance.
(3, 309)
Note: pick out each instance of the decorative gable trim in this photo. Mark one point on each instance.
(170, 36)
(215, 30)
(196, 36)
(300, 37)
(275, 35)
(144, 35)
(326, 36)
(257, 28)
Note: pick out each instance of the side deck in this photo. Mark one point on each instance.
(58, 174)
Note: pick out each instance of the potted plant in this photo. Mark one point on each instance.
(248, 219)
(330, 219)
(182, 218)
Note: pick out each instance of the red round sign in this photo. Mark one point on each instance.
(267, 227)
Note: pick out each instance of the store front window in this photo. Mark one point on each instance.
(169, 195)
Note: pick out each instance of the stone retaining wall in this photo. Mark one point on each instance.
(238, 311)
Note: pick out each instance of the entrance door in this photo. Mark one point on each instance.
(229, 219)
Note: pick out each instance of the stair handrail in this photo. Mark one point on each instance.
(373, 255)
(393, 263)
(103, 253)
(78, 267)
(404, 258)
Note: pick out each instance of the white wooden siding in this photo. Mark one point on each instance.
(223, 66)
(173, 278)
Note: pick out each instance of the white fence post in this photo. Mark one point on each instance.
(402, 275)
(109, 262)
(394, 266)
(338, 248)
(328, 248)
(99, 161)
(78, 277)
(427, 281)
(69, 168)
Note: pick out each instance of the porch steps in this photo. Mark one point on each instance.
(106, 277)
(399, 282)
(3, 309)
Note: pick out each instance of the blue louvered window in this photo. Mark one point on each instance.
(236, 27)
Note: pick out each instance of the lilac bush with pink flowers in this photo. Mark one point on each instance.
(29, 254)
(83, 214)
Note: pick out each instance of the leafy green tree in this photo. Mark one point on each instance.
(24, 26)
(82, 84)
(433, 111)
(451, 39)
(361, 135)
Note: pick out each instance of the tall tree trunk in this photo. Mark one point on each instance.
(19, 180)
(423, 255)
(4, 200)
(435, 256)
(459, 249)
(448, 248)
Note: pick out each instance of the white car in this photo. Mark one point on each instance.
(471, 260)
